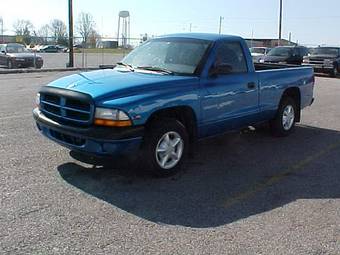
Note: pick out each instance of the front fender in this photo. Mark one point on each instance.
(140, 107)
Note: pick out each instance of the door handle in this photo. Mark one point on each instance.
(251, 85)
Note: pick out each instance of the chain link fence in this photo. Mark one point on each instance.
(98, 52)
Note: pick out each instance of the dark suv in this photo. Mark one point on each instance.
(286, 55)
(324, 60)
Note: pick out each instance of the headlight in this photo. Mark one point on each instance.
(306, 60)
(37, 100)
(111, 118)
(261, 60)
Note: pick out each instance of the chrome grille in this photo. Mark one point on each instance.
(64, 109)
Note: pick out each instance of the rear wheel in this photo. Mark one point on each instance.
(165, 147)
(284, 122)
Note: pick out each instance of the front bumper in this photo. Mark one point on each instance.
(97, 141)
(27, 63)
(320, 68)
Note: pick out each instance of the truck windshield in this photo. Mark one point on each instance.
(175, 55)
(280, 52)
(326, 51)
(258, 50)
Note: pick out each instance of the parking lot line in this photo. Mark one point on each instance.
(299, 166)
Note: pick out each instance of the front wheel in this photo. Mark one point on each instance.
(284, 122)
(165, 147)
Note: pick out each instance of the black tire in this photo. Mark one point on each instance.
(277, 125)
(156, 131)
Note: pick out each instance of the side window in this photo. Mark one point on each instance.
(231, 53)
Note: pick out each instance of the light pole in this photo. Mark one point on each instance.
(280, 23)
(220, 28)
(70, 33)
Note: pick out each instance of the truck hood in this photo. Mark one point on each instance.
(116, 84)
(22, 55)
(321, 57)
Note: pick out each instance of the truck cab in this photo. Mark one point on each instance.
(286, 55)
(169, 93)
(324, 60)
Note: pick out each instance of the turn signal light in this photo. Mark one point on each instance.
(113, 123)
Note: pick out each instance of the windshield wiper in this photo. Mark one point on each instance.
(155, 69)
(128, 66)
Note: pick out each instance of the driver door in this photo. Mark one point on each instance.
(230, 100)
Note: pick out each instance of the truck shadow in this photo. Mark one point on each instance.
(231, 178)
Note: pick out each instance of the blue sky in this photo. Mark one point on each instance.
(309, 21)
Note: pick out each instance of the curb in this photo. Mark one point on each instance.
(15, 71)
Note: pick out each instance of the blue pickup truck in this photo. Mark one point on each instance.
(168, 93)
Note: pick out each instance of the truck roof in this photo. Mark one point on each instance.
(203, 36)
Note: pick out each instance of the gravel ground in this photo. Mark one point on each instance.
(244, 193)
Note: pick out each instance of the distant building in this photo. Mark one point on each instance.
(107, 44)
(8, 39)
(270, 43)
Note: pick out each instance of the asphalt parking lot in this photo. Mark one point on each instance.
(244, 193)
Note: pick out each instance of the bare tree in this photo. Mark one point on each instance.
(43, 34)
(93, 38)
(58, 31)
(23, 28)
(85, 26)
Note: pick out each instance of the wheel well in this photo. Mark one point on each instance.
(296, 95)
(183, 114)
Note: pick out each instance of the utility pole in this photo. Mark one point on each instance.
(220, 28)
(190, 28)
(2, 30)
(280, 23)
(70, 33)
(290, 37)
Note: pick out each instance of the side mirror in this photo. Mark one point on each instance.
(3, 52)
(220, 69)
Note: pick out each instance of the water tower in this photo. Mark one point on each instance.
(123, 36)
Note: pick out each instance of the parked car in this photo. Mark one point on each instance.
(168, 93)
(258, 53)
(324, 60)
(51, 49)
(286, 55)
(14, 55)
